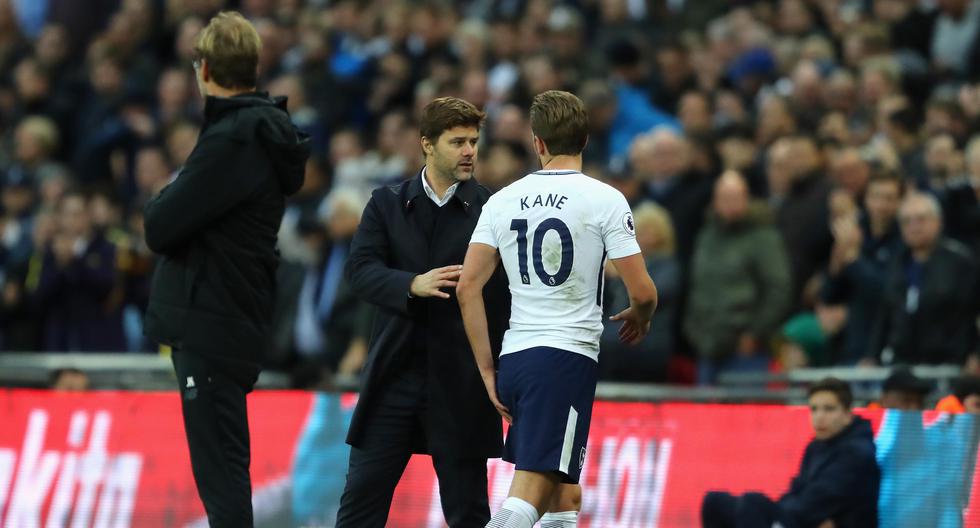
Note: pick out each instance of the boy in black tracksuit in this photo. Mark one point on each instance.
(838, 480)
(213, 290)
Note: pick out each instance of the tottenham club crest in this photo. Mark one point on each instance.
(581, 459)
(628, 224)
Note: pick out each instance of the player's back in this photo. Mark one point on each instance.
(554, 230)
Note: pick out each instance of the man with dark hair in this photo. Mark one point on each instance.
(213, 290)
(838, 480)
(552, 230)
(421, 391)
(904, 390)
(864, 246)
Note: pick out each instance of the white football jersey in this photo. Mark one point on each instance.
(554, 231)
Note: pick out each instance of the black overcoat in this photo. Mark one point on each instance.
(390, 248)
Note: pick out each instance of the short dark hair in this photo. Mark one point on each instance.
(966, 385)
(561, 121)
(906, 119)
(444, 113)
(888, 176)
(840, 389)
(231, 46)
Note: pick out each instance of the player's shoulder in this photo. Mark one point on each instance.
(598, 189)
(510, 190)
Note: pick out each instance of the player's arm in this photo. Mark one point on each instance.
(643, 298)
(478, 266)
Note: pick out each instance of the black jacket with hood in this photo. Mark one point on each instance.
(838, 480)
(215, 225)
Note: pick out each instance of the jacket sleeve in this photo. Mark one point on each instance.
(881, 329)
(367, 267)
(836, 488)
(772, 275)
(218, 175)
(50, 279)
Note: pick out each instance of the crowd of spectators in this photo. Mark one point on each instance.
(805, 173)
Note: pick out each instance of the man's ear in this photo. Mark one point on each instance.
(539, 147)
(205, 70)
(427, 146)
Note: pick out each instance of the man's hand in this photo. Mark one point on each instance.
(428, 284)
(490, 382)
(635, 326)
(847, 243)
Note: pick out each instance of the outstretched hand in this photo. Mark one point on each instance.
(634, 327)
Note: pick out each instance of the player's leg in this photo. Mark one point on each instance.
(376, 465)
(550, 394)
(529, 496)
(566, 503)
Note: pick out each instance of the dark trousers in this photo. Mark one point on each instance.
(724, 510)
(376, 465)
(216, 424)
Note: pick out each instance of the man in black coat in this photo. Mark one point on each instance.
(214, 288)
(931, 293)
(838, 481)
(421, 391)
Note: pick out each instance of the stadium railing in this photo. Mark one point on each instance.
(155, 372)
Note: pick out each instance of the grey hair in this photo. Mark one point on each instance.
(934, 205)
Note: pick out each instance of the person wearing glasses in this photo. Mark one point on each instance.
(930, 299)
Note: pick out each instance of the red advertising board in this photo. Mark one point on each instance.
(118, 459)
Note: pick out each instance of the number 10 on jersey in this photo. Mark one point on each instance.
(567, 250)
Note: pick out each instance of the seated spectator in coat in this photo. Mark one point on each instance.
(740, 284)
(965, 397)
(864, 246)
(904, 390)
(837, 485)
(931, 297)
(70, 380)
(647, 361)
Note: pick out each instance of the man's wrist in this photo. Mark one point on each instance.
(411, 288)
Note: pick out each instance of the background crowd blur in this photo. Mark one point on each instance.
(805, 174)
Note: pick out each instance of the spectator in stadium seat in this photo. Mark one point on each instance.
(863, 249)
(72, 287)
(70, 380)
(663, 161)
(798, 196)
(838, 482)
(904, 390)
(740, 283)
(930, 300)
(961, 201)
(648, 360)
(965, 396)
(901, 126)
